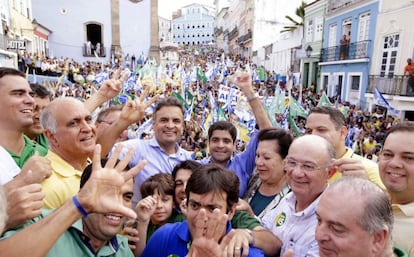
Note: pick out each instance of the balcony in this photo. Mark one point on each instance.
(338, 5)
(91, 52)
(218, 31)
(352, 51)
(390, 85)
(233, 33)
(243, 39)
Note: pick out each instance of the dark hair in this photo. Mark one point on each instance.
(86, 174)
(102, 114)
(4, 71)
(335, 115)
(185, 165)
(168, 101)
(40, 91)
(162, 182)
(282, 137)
(214, 178)
(406, 126)
(223, 125)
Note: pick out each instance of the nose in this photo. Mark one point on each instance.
(320, 233)
(86, 126)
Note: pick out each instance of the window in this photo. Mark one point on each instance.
(355, 82)
(332, 35)
(389, 55)
(319, 28)
(309, 30)
(363, 26)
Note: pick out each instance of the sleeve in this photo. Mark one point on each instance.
(242, 219)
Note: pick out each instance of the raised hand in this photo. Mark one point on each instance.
(146, 207)
(207, 234)
(102, 192)
(40, 168)
(24, 202)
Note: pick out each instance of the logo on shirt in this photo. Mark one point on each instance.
(280, 219)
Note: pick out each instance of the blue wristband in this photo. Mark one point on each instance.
(79, 206)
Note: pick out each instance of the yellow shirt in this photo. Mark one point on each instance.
(370, 167)
(62, 184)
(403, 232)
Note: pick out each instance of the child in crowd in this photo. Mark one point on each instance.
(156, 208)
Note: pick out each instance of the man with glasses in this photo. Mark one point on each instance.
(309, 167)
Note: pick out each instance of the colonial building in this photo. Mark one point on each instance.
(195, 25)
(111, 28)
(394, 43)
(346, 56)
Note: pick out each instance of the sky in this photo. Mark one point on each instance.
(167, 7)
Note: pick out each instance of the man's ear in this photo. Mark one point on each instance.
(380, 241)
(232, 211)
(50, 137)
(331, 171)
(344, 132)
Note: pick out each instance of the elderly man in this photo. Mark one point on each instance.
(360, 228)
(330, 124)
(309, 167)
(396, 165)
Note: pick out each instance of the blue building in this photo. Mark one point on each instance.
(346, 55)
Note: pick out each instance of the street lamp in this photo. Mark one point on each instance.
(308, 51)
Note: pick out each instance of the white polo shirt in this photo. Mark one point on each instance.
(295, 229)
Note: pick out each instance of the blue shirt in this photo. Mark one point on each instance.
(158, 161)
(242, 164)
(175, 240)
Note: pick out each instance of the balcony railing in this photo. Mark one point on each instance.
(233, 33)
(244, 38)
(337, 5)
(356, 50)
(390, 85)
(218, 31)
(91, 52)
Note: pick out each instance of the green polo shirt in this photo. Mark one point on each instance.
(28, 151)
(242, 219)
(74, 243)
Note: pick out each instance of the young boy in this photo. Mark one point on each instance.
(156, 208)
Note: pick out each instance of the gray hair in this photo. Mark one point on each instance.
(3, 209)
(377, 211)
(48, 121)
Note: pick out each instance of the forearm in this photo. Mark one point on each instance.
(266, 241)
(37, 239)
(110, 135)
(94, 102)
(142, 228)
(259, 112)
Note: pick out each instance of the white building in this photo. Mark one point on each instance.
(195, 26)
(164, 32)
(119, 26)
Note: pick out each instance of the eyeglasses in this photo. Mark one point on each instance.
(304, 166)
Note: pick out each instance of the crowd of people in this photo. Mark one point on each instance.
(217, 169)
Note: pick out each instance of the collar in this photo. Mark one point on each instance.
(154, 143)
(407, 209)
(62, 167)
(210, 160)
(113, 243)
(348, 153)
(308, 211)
